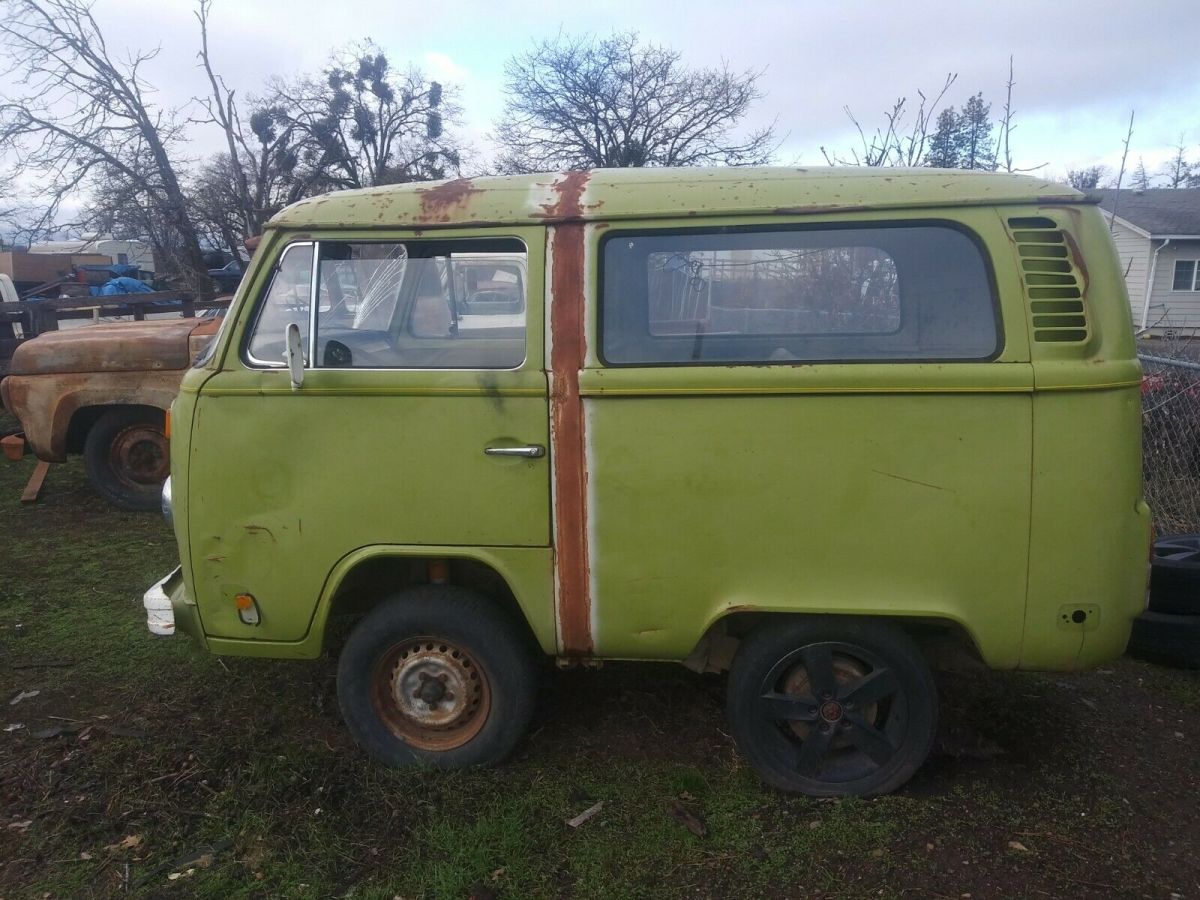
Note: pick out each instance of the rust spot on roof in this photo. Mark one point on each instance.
(569, 204)
(440, 202)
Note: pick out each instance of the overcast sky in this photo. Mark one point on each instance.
(1081, 65)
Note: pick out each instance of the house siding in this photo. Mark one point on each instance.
(1134, 252)
(1169, 308)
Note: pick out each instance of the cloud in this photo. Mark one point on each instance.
(441, 67)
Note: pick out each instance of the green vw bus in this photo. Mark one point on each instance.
(806, 425)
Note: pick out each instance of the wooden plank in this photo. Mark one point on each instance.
(33, 490)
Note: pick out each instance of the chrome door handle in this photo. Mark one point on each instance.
(533, 451)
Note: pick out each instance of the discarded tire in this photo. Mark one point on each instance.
(1172, 640)
(1175, 575)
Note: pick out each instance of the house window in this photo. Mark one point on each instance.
(1186, 272)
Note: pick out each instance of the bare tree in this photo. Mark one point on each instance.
(237, 191)
(1003, 152)
(579, 102)
(896, 142)
(75, 115)
(1112, 220)
(1179, 171)
(361, 122)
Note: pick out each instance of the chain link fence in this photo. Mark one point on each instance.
(1171, 435)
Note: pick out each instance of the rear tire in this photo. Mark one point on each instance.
(436, 675)
(1167, 639)
(832, 706)
(126, 457)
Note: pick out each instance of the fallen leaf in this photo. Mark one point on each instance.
(680, 813)
(24, 695)
(1018, 846)
(85, 855)
(20, 826)
(126, 843)
(15, 726)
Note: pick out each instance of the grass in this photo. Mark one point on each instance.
(176, 774)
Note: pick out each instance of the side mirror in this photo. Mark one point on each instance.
(293, 353)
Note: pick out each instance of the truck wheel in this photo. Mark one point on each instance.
(127, 457)
(832, 706)
(436, 675)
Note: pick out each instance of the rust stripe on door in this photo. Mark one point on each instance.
(567, 354)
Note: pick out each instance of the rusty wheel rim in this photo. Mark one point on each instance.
(431, 693)
(846, 671)
(140, 456)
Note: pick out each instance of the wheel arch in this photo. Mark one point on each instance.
(945, 641)
(369, 575)
(82, 416)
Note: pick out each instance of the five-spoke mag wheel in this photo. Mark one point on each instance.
(832, 706)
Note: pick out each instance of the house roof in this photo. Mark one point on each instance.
(636, 193)
(1173, 212)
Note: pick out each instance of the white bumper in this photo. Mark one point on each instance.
(160, 617)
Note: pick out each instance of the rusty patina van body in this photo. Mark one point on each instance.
(802, 424)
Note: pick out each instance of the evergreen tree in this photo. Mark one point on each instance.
(943, 150)
(976, 149)
(1140, 180)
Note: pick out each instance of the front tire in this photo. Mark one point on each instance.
(127, 457)
(832, 706)
(437, 675)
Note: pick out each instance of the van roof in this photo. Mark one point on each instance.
(660, 192)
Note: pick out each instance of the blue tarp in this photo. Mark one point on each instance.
(121, 285)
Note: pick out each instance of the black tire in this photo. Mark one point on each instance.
(127, 458)
(1168, 639)
(413, 640)
(1175, 575)
(806, 695)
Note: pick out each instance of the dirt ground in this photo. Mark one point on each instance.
(142, 767)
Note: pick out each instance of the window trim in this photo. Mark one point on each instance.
(1195, 281)
(251, 330)
(980, 245)
(250, 361)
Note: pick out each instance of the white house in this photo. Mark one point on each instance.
(1157, 233)
(134, 253)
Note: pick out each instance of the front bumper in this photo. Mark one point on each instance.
(160, 613)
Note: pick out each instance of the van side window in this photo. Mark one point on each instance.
(416, 305)
(918, 292)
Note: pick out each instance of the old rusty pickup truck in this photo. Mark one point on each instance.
(102, 391)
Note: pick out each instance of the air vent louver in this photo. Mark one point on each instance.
(1051, 280)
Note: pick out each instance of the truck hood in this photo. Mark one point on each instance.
(117, 347)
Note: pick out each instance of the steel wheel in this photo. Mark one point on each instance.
(127, 456)
(431, 693)
(140, 456)
(437, 675)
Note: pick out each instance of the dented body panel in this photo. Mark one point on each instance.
(58, 373)
(998, 497)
